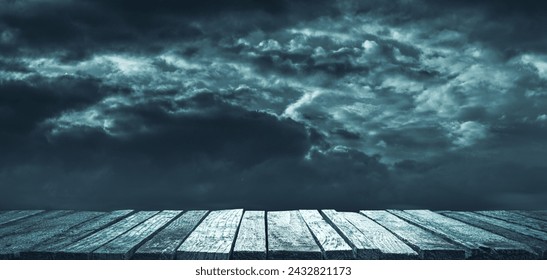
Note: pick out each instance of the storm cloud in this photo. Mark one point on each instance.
(273, 104)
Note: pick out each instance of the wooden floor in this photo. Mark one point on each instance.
(299, 234)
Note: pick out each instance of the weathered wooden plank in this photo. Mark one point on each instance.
(18, 226)
(47, 249)
(482, 244)
(251, 237)
(517, 219)
(534, 214)
(213, 238)
(531, 237)
(82, 248)
(332, 245)
(11, 216)
(123, 246)
(360, 244)
(164, 244)
(289, 237)
(429, 246)
(389, 245)
(12, 245)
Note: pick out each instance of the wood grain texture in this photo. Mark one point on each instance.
(123, 246)
(534, 214)
(12, 245)
(300, 234)
(516, 218)
(482, 244)
(289, 237)
(163, 245)
(20, 226)
(82, 249)
(251, 237)
(213, 238)
(47, 249)
(333, 246)
(11, 216)
(360, 244)
(531, 237)
(429, 245)
(389, 245)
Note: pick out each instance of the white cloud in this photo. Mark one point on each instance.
(370, 46)
(438, 99)
(292, 109)
(269, 45)
(382, 144)
(539, 62)
(128, 65)
(427, 77)
(298, 44)
(469, 133)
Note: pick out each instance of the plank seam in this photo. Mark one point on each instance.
(101, 227)
(413, 246)
(93, 251)
(266, 233)
(323, 253)
(339, 231)
(230, 254)
(190, 232)
(445, 238)
(531, 215)
(97, 217)
(144, 240)
(512, 222)
(21, 218)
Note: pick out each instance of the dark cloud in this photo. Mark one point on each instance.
(503, 6)
(224, 157)
(15, 66)
(272, 104)
(24, 105)
(75, 30)
(512, 26)
(186, 7)
(347, 134)
(468, 179)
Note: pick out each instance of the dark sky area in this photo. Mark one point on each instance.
(176, 104)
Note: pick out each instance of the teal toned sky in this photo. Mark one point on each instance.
(273, 104)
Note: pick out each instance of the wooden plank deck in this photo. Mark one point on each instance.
(389, 245)
(123, 246)
(48, 249)
(297, 234)
(13, 244)
(213, 238)
(163, 245)
(481, 243)
(251, 238)
(534, 238)
(83, 248)
(332, 244)
(15, 215)
(427, 244)
(289, 237)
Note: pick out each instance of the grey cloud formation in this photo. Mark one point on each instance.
(273, 104)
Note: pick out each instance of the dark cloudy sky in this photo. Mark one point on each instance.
(273, 104)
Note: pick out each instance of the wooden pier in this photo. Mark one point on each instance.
(298, 234)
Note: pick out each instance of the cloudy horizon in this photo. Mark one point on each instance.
(273, 104)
